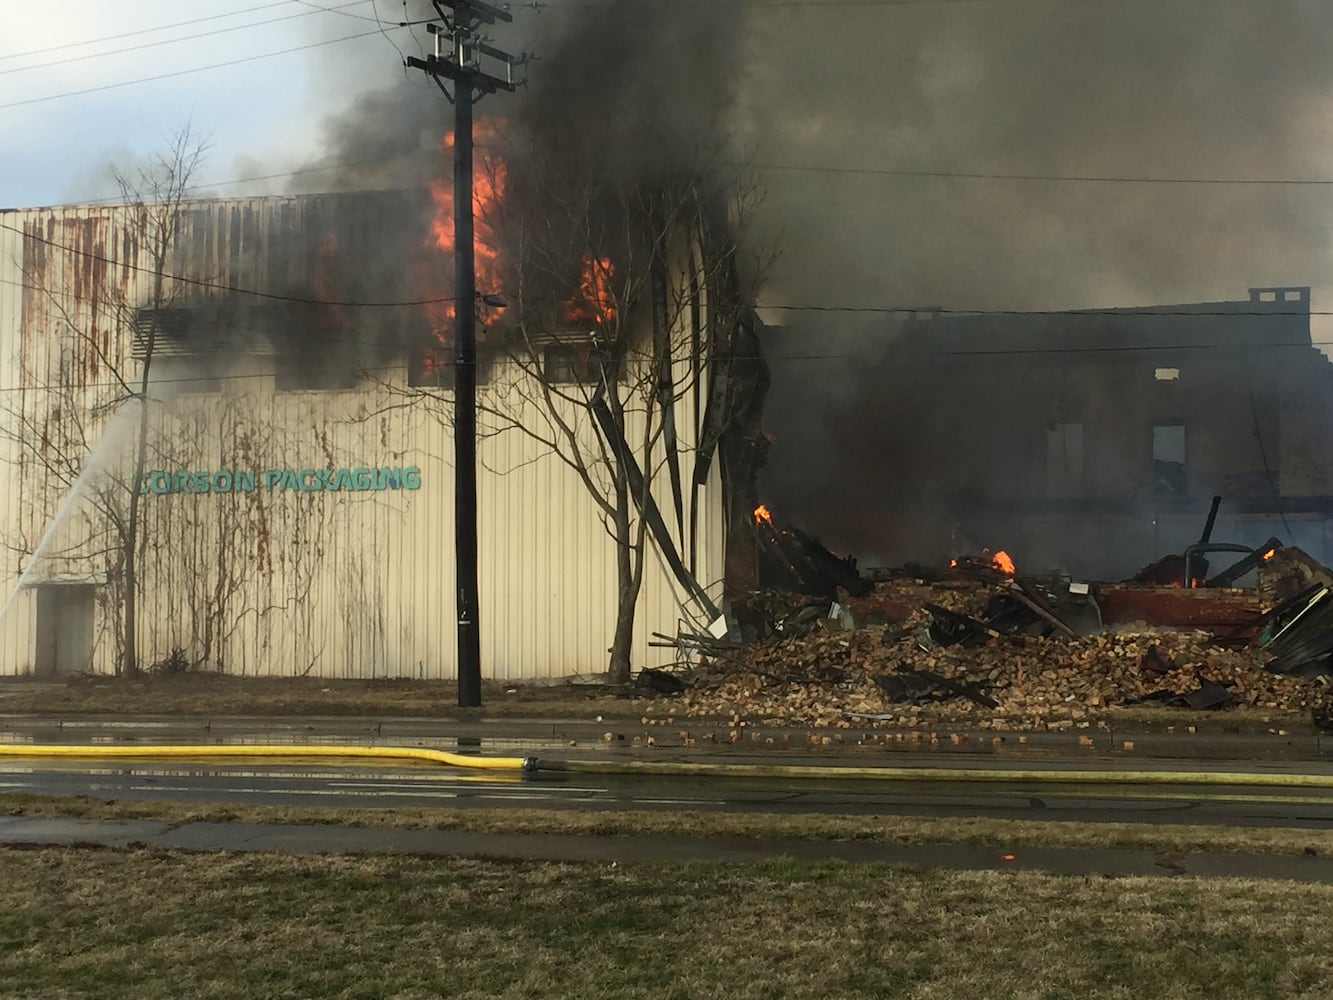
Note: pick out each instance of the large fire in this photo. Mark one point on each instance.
(489, 176)
(596, 302)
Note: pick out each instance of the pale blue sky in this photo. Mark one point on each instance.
(263, 114)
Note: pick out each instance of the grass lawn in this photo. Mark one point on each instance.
(1001, 833)
(108, 924)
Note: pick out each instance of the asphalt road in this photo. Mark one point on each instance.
(303, 784)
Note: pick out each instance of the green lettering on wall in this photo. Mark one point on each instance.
(306, 480)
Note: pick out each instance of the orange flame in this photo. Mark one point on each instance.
(1003, 563)
(762, 515)
(596, 302)
(1269, 554)
(489, 177)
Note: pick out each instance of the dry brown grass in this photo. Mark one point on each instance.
(107, 924)
(219, 694)
(1007, 833)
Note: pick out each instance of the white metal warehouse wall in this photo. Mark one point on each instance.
(332, 584)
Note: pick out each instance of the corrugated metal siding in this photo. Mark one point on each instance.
(331, 584)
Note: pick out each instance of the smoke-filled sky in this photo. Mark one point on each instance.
(1115, 152)
(1141, 89)
(1135, 89)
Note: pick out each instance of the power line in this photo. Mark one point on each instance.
(527, 365)
(539, 5)
(887, 310)
(1049, 178)
(374, 9)
(405, 22)
(347, 165)
(1090, 313)
(304, 369)
(143, 31)
(339, 10)
(185, 72)
(351, 164)
(897, 350)
(200, 283)
(183, 38)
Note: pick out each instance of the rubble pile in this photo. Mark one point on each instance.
(983, 645)
(1006, 654)
(827, 679)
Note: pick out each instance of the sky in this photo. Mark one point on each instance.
(1107, 148)
(262, 114)
(971, 155)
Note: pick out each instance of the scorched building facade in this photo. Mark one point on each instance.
(295, 509)
(1091, 441)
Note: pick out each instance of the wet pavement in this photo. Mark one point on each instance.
(688, 739)
(293, 839)
(299, 783)
(1033, 796)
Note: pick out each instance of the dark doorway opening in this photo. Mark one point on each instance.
(64, 629)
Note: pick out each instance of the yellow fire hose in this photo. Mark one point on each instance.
(149, 751)
(205, 752)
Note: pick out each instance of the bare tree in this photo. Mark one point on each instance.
(625, 289)
(155, 197)
(86, 425)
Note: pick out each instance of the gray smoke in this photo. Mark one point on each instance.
(635, 78)
(1061, 88)
(1190, 88)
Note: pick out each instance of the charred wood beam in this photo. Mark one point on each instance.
(915, 685)
(980, 629)
(810, 568)
(1031, 598)
(1207, 535)
(1234, 572)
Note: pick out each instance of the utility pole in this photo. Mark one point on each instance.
(458, 55)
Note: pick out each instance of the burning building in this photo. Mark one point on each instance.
(1090, 441)
(288, 493)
